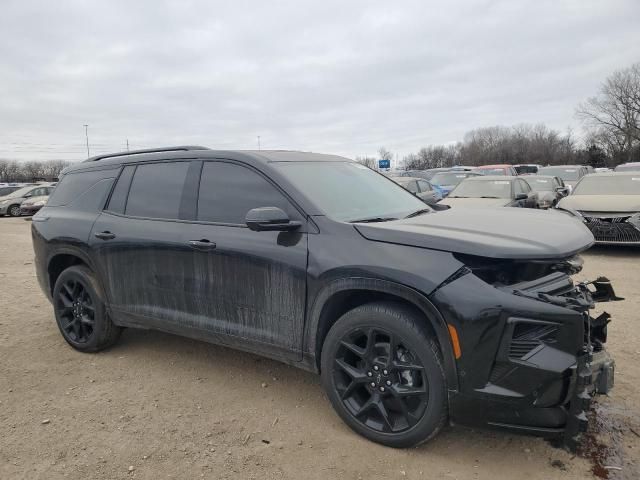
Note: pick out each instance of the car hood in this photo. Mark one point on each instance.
(601, 203)
(510, 233)
(476, 202)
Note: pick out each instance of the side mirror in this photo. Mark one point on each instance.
(269, 219)
(562, 190)
(521, 196)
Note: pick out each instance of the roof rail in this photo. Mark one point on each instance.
(184, 148)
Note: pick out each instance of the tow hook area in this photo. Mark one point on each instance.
(594, 375)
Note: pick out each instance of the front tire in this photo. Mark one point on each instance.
(14, 210)
(382, 372)
(80, 313)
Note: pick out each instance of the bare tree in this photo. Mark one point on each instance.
(367, 162)
(615, 111)
(384, 154)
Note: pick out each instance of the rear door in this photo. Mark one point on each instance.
(140, 244)
(248, 286)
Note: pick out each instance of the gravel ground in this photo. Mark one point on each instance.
(159, 406)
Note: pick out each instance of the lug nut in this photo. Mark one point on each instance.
(388, 383)
(375, 367)
(385, 372)
(369, 374)
(382, 389)
(373, 384)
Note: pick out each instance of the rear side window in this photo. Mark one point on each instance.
(121, 190)
(73, 185)
(228, 191)
(156, 190)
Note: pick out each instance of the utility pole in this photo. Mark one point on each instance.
(127, 144)
(86, 135)
(258, 142)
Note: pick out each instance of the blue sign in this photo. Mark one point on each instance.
(384, 163)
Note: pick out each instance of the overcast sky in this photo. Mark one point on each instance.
(340, 77)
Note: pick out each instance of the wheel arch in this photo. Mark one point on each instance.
(63, 259)
(340, 296)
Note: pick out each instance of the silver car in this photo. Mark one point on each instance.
(609, 204)
(10, 204)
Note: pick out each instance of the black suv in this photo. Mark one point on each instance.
(412, 317)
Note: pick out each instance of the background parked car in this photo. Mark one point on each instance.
(570, 174)
(609, 204)
(628, 167)
(10, 204)
(502, 169)
(492, 191)
(527, 168)
(550, 189)
(34, 203)
(447, 181)
(7, 190)
(420, 188)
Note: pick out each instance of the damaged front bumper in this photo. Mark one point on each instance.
(594, 370)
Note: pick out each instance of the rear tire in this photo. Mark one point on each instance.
(383, 374)
(80, 313)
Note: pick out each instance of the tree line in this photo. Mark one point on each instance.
(14, 171)
(611, 122)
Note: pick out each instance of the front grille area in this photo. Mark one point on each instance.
(613, 229)
(527, 337)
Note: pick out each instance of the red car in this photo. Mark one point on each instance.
(502, 169)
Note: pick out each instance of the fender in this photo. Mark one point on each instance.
(417, 299)
(82, 255)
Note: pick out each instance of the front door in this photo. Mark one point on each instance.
(247, 286)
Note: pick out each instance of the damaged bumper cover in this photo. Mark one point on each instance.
(594, 370)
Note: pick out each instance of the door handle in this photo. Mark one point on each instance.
(105, 235)
(203, 244)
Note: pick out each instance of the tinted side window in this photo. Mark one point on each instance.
(228, 191)
(121, 190)
(73, 185)
(156, 190)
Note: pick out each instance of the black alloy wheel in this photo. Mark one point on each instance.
(76, 311)
(80, 311)
(382, 371)
(381, 383)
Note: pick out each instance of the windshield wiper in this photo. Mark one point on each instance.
(373, 220)
(418, 212)
(457, 196)
(486, 196)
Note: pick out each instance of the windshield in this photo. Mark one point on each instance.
(522, 169)
(564, 173)
(19, 193)
(483, 188)
(449, 178)
(347, 191)
(538, 184)
(608, 185)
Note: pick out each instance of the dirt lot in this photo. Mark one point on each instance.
(159, 406)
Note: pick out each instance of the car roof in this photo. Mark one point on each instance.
(612, 174)
(498, 165)
(533, 177)
(491, 177)
(564, 166)
(189, 152)
(399, 179)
